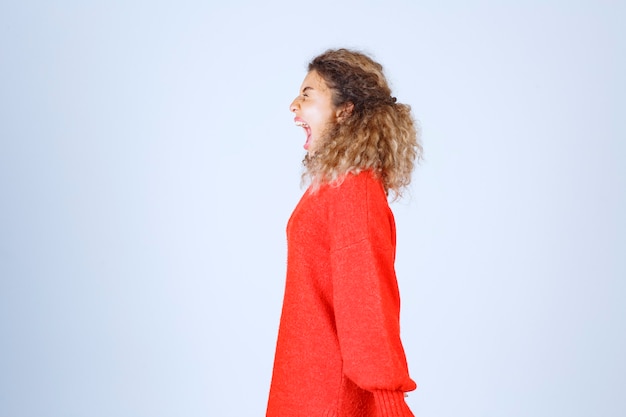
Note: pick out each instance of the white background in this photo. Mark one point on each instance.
(149, 164)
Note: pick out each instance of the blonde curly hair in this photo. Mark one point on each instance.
(374, 133)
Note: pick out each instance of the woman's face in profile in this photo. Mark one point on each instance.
(313, 108)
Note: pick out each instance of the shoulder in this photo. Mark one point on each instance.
(357, 210)
(359, 188)
(354, 182)
(356, 196)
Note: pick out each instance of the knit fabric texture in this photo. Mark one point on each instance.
(339, 352)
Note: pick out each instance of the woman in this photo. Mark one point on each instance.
(339, 352)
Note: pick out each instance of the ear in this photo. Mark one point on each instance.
(343, 111)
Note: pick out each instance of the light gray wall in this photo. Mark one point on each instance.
(148, 165)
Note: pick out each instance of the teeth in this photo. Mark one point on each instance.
(302, 124)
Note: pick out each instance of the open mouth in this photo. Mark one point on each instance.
(307, 129)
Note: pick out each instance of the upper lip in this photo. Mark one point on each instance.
(300, 122)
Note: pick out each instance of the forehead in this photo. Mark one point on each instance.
(314, 81)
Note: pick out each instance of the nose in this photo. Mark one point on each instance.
(295, 105)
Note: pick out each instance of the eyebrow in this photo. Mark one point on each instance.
(307, 88)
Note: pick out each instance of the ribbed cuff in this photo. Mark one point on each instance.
(391, 404)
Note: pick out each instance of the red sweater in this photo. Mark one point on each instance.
(339, 352)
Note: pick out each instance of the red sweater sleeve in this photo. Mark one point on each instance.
(365, 292)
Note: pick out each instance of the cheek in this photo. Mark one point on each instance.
(327, 116)
(321, 116)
